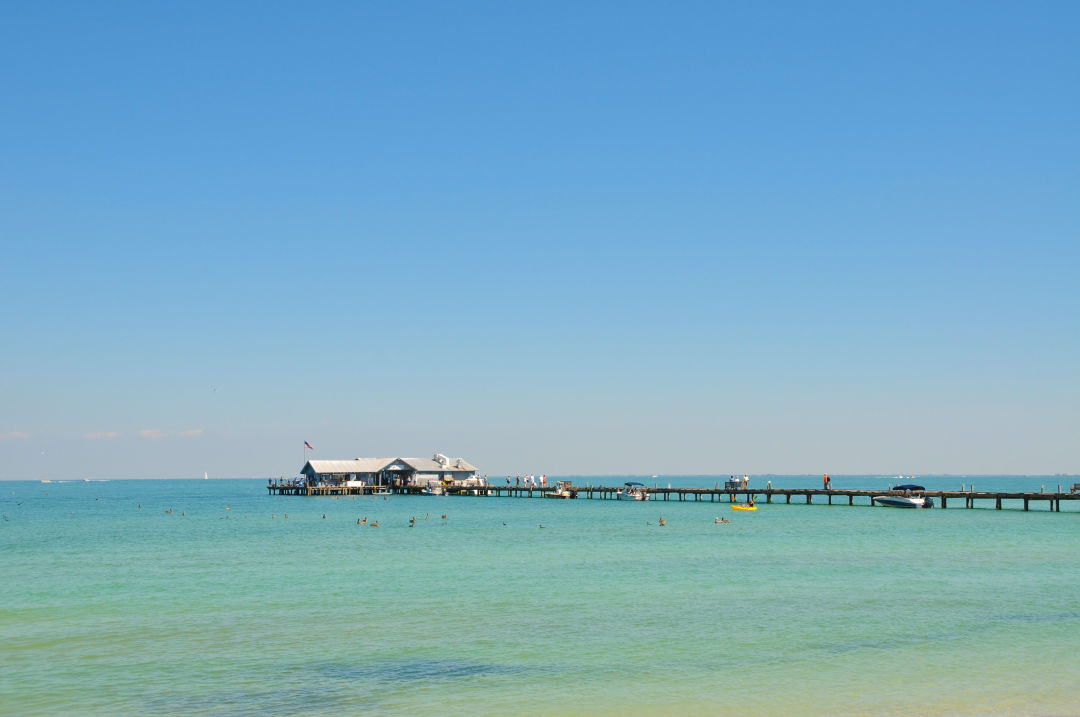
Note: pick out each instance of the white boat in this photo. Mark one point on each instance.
(433, 489)
(563, 489)
(908, 495)
(471, 486)
(632, 490)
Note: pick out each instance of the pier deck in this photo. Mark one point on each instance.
(804, 495)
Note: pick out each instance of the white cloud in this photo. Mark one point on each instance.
(158, 433)
(102, 435)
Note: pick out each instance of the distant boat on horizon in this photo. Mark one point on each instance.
(206, 476)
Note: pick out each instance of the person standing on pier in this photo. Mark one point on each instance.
(828, 481)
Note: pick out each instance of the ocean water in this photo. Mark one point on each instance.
(109, 605)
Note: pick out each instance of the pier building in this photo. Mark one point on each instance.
(390, 472)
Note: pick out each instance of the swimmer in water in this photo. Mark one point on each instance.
(662, 522)
(362, 522)
(375, 524)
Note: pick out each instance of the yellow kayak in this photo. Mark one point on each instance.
(744, 507)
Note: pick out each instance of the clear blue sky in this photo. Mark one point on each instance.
(554, 238)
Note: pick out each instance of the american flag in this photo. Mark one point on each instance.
(308, 445)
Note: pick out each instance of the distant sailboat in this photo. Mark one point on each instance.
(206, 476)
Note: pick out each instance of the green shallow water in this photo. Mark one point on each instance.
(107, 608)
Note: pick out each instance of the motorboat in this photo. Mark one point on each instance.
(472, 486)
(903, 501)
(433, 489)
(563, 489)
(907, 495)
(632, 490)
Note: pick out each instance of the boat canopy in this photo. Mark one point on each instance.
(908, 486)
(633, 483)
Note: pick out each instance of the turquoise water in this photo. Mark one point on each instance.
(109, 608)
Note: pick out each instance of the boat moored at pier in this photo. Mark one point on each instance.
(633, 490)
(907, 495)
(563, 489)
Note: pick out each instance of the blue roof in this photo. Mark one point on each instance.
(633, 482)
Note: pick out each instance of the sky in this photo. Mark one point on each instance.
(563, 238)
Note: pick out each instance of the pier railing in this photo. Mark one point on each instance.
(732, 495)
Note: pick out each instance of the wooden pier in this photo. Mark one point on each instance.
(942, 498)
